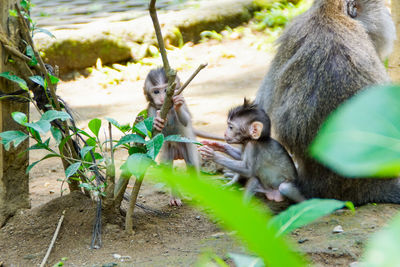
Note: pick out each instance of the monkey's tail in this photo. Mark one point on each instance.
(206, 135)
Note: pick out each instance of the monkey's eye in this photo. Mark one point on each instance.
(230, 127)
(156, 92)
(165, 90)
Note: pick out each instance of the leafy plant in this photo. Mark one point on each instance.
(361, 139)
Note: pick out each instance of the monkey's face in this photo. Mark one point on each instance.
(157, 94)
(235, 133)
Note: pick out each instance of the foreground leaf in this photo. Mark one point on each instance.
(19, 117)
(38, 80)
(362, 137)
(383, 248)
(36, 162)
(41, 126)
(12, 136)
(305, 212)
(248, 219)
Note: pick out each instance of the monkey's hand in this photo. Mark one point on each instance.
(158, 122)
(217, 146)
(207, 152)
(178, 100)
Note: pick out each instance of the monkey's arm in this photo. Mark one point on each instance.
(232, 151)
(238, 166)
(181, 110)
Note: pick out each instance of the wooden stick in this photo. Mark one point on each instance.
(202, 66)
(53, 240)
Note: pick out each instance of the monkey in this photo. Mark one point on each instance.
(325, 56)
(263, 161)
(178, 121)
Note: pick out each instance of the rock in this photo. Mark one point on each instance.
(116, 256)
(338, 229)
(198, 217)
(118, 41)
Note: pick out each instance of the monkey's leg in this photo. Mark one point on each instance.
(251, 187)
(290, 190)
(167, 157)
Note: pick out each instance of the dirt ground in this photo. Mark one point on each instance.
(177, 236)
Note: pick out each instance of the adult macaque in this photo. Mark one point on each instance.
(262, 159)
(325, 56)
(178, 121)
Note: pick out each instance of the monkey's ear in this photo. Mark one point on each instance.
(256, 129)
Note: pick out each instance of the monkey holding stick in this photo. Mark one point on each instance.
(178, 122)
(262, 161)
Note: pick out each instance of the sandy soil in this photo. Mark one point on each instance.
(179, 235)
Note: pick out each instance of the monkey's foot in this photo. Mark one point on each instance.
(274, 195)
(174, 201)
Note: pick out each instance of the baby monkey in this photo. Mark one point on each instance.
(178, 121)
(262, 161)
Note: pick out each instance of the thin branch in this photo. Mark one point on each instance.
(171, 74)
(202, 66)
(53, 240)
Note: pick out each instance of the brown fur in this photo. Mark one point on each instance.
(324, 58)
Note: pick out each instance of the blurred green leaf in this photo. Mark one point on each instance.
(12, 136)
(36, 162)
(142, 129)
(13, 12)
(15, 79)
(94, 126)
(383, 247)
(19, 117)
(72, 169)
(303, 213)
(362, 137)
(249, 219)
(47, 32)
(53, 79)
(154, 146)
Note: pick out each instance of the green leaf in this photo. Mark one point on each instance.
(181, 139)
(30, 53)
(241, 260)
(36, 162)
(141, 128)
(12, 136)
(51, 115)
(53, 79)
(131, 138)
(72, 169)
(303, 213)
(42, 126)
(19, 117)
(38, 80)
(362, 137)
(94, 126)
(143, 113)
(15, 79)
(123, 128)
(248, 219)
(13, 12)
(383, 247)
(154, 146)
(149, 124)
(57, 135)
(47, 32)
(137, 165)
(85, 150)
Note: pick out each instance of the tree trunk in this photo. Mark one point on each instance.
(394, 59)
(14, 182)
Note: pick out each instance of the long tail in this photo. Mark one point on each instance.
(206, 135)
